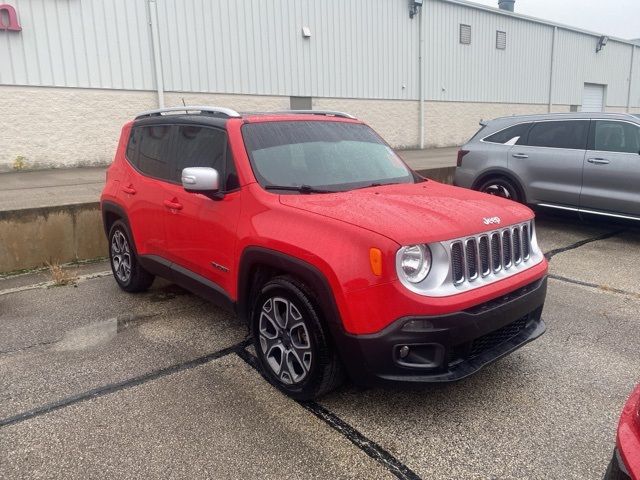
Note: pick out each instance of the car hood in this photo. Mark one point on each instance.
(414, 213)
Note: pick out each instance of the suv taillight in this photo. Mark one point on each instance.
(461, 153)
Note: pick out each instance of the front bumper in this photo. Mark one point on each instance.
(448, 347)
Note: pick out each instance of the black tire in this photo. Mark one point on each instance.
(614, 472)
(312, 366)
(127, 271)
(501, 187)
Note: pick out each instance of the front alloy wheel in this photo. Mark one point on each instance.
(284, 340)
(291, 342)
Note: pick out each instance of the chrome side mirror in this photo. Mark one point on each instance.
(200, 179)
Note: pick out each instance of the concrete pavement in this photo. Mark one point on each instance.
(95, 382)
(44, 188)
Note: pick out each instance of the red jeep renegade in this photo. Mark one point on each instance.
(339, 256)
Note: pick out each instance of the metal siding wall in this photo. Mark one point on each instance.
(635, 82)
(358, 48)
(578, 63)
(78, 43)
(480, 72)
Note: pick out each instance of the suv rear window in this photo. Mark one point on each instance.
(562, 134)
(518, 132)
(329, 155)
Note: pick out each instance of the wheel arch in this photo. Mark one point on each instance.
(493, 173)
(110, 213)
(258, 264)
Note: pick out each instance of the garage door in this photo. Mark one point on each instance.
(593, 98)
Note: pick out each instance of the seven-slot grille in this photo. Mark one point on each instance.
(482, 254)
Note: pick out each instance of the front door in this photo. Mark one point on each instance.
(549, 161)
(612, 168)
(200, 229)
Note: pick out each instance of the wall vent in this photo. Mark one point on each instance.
(501, 40)
(465, 34)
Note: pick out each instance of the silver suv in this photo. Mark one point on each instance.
(586, 162)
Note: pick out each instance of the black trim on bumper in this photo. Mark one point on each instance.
(449, 347)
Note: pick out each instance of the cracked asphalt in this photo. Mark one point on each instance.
(97, 383)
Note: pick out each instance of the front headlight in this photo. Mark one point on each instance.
(415, 263)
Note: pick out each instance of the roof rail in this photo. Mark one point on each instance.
(188, 109)
(329, 113)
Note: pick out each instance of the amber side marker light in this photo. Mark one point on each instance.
(375, 258)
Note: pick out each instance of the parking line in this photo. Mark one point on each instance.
(371, 448)
(603, 288)
(550, 254)
(116, 387)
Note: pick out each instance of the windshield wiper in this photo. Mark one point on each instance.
(375, 184)
(301, 188)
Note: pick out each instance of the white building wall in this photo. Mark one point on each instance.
(479, 72)
(80, 43)
(578, 63)
(357, 49)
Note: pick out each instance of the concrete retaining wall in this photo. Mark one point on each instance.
(32, 237)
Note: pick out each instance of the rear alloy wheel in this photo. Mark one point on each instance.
(290, 341)
(500, 187)
(126, 269)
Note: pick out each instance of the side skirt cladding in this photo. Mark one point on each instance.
(189, 280)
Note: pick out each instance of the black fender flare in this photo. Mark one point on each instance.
(108, 207)
(307, 273)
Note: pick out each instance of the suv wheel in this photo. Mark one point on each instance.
(290, 341)
(126, 269)
(500, 187)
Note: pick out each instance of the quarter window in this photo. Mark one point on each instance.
(515, 135)
(563, 134)
(154, 151)
(613, 136)
(132, 146)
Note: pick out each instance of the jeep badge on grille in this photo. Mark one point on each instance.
(491, 220)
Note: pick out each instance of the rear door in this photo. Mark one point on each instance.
(549, 161)
(148, 154)
(612, 168)
(200, 228)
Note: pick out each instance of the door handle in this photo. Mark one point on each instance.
(520, 155)
(173, 204)
(129, 189)
(598, 161)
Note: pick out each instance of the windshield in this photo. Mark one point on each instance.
(333, 156)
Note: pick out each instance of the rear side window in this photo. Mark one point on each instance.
(563, 134)
(611, 136)
(132, 146)
(154, 151)
(513, 135)
(198, 146)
